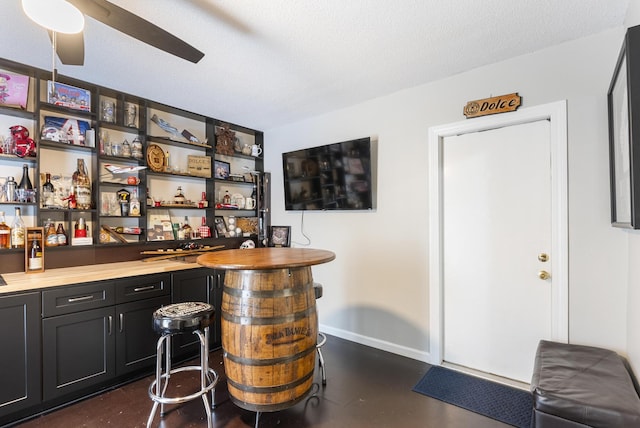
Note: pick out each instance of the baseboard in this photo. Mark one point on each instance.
(383, 345)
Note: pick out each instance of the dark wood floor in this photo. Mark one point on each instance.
(366, 387)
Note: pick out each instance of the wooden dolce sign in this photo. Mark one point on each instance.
(500, 104)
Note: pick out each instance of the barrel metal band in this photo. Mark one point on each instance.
(271, 389)
(268, 362)
(263, 294)
(269, 320)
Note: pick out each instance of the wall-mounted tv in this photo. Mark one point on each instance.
(330, 177)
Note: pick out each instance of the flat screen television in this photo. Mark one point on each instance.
(330, 177)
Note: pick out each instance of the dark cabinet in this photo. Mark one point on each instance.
(78, 351)
(198, 285)
(20, 356)
(78, 340)
(95, 332)
(135, 338)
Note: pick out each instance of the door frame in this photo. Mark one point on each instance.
(556, 113)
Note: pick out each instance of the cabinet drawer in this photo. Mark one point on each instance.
(75, 298)
(142, 287)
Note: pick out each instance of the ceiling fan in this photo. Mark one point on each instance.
(70, 47)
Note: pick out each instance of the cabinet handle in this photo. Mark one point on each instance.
(79, 299)
(110, 324)
(148, 287)
(121, 322)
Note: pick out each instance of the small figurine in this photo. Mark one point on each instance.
(24, 145)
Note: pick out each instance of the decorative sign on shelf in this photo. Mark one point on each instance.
(200, 166)
(493, 105)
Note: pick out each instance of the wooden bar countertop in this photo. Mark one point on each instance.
(20, 281)
(265, 258)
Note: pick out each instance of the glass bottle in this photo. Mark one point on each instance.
(25, 183)
(61, 235)
(82, 186)
(179, 197)
(186, 228)
(17, 231)
(51, 237)
(5, 233)
(203, 201)
(80, 228)
(47, 192)
(134, 205)
(35, 254)
(149, 199)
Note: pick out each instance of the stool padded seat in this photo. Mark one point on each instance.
(578, 386)
(182, 317)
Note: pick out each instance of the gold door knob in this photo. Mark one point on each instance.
(543, 274)
(543, 257)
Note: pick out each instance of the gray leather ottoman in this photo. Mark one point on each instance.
(582, 386)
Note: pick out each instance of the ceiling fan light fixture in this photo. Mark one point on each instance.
(55, 15)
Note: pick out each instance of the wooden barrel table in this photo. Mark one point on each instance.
(269, 323)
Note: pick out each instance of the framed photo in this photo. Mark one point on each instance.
(68, 96)
(624, 129)
(14, 90)
(222, 170)
(280, 236)
(221, 226)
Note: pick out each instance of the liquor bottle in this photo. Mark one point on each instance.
(25, 183)
(61, 235)
(186, 228)
(149, 199)
(48, 192)
(82, 186)
(134, 205)
(80, 229)
(179, 197)
(203, 201)
(51, 237)
(35, 254)
(17, 231)
(5, 233)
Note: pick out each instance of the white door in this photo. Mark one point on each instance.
(498, 219)
(496, 215)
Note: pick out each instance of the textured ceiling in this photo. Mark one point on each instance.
(272, 62)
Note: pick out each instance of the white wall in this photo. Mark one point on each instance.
(376, 291)
(633, 297)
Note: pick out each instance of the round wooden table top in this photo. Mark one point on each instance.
(265, 258)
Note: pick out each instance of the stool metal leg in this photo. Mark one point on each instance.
(167, 370)
(322, 341)
(204, 363)
(158, 383)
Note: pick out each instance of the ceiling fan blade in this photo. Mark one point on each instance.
(137, 27)
(221, 15)
(69, 47)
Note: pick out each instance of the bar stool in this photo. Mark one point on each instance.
(188, 317)
(317, 288)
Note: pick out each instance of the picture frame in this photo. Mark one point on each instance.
(280, 236)
(220, 226)
(222, 170)
(623, 100)
(14, 90)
